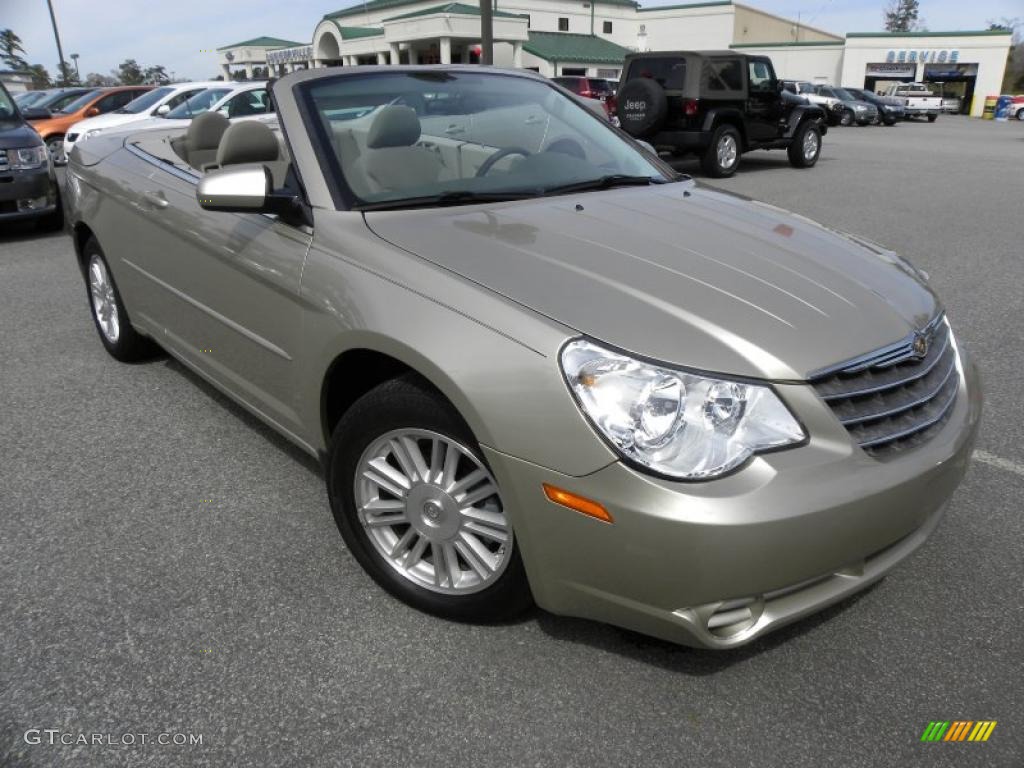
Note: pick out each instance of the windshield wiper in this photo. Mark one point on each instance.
(451, 197)
(604, 182)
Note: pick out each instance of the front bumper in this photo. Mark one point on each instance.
(19, 187)
(720, 563)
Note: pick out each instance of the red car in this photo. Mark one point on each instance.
(590, 88)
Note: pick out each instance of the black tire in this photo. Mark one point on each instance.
(130, 346)
(1020, 114)
(410, 402)
(890, 121)
(932, 118)
(709, 160)
(846, 118)
(797, 158)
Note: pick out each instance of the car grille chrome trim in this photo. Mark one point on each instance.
(889, 399)
(4, 163)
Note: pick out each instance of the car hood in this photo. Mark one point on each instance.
(680, 273)
(105, 121)
(14, 134)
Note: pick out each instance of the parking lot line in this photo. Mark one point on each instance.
(998, 461)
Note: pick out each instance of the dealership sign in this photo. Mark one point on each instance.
(924, 56)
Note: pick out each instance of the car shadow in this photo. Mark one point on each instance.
(749, 164)
(277, 440)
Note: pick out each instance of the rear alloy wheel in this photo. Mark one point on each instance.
(55, 144)
(846, 118)
(121, 340)
(420, 510)
(805, 148)
(722, 157)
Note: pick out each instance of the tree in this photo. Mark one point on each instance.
(130, 73)
(11, 50)
(902, 16)
(96, 80)
(40, 77)
(157, 75)
(1013, 79)
(66, 75)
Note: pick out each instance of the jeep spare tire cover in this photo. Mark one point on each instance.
(641, 107)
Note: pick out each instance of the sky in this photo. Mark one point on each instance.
(182, 35)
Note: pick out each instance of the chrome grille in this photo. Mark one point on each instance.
(4, 164)
(893, 399)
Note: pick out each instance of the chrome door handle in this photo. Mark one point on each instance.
(155, 199)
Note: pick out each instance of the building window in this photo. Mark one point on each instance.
(527, 20)
(563, 23)
(574, 71)
(607, 27)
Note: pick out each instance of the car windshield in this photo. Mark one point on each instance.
(600, 86)
(76, 104)
(7, 108)
(29, 97)
(450, 138)
(145, 101)
(198, 104)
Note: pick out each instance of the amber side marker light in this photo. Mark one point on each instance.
(577, 503)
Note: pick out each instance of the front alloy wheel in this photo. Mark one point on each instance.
(432, 511)
(55, 144)
(419, 508)
(846, 118)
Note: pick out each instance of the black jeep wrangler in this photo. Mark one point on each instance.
(717, 104)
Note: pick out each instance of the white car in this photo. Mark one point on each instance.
(156, 103)
(249, 100)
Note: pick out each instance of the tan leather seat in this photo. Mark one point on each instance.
(392, 161)
(251, 143)
(199, 144)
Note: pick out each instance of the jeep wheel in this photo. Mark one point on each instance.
(641, 106)
(805, 148)
(932, 118)
(722, 157)
(846, 118)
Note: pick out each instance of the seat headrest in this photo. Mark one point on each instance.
(395, 126)
(247, 142)
(205, 131)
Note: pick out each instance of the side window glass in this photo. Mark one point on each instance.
(108, 103)
(760, 78)
(180, 98)
(723, 75)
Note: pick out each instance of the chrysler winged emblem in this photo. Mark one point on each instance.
(920, 345)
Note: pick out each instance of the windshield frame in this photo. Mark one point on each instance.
(345, 198)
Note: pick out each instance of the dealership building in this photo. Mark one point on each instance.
(562, 37)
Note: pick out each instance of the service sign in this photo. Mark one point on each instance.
(939, 56)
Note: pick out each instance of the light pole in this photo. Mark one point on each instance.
(486, 32)
(56, 35)
(78, 74)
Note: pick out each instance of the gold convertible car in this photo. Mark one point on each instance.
(537, 364)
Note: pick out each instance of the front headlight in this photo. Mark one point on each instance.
(684, 425)
(27, 158)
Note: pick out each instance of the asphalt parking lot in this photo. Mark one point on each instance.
(169, 565)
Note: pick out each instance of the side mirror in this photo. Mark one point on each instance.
(91, 112)
(36, 113)
(162, 110)
(244, 190)
(779, 87)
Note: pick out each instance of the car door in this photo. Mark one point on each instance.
(763, 101)
(223, 288)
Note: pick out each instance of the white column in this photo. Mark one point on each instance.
(227, 71)
(248, 71)
(413, 56)
(517, 54)
(395, 55)
(446, 50)
(382, 58)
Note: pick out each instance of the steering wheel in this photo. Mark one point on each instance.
(487, 164)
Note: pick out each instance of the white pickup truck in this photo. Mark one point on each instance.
(918, 100)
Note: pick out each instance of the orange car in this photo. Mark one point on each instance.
(97, 102)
